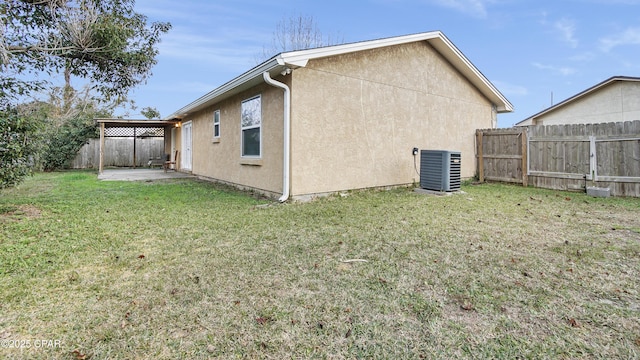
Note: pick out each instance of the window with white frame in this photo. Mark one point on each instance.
(216, 124)
(251, 123)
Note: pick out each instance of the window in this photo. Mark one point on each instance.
(251, 122)
(216, 124)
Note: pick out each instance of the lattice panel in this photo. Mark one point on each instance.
(129, 132)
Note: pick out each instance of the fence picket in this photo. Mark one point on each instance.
(118, 152)
(564, 157)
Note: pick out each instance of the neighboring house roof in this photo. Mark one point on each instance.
(609, 81)
(295, 59)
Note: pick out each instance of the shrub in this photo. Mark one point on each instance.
(64, 142)
(18, 146)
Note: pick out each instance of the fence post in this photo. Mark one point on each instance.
(593, 163)
(525, 156)
(480, 156)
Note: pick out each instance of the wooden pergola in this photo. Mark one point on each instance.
(130, 123)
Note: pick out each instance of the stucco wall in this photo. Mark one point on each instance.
(619, 101)
(357, 117)
(222, 160)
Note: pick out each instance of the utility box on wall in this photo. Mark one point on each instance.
(440, 170)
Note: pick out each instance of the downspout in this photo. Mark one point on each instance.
(287, 133)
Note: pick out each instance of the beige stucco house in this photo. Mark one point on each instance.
(336, 118)
(616, 99)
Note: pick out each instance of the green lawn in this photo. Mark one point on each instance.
(186, 269)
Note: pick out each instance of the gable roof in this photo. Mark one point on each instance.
(579, 95)
(300, 58)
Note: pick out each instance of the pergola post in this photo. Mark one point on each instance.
(134, 146)
(101, 163)
(128, 123)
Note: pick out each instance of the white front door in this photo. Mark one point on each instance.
(186, 146)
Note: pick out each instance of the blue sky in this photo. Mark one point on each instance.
(528, 49)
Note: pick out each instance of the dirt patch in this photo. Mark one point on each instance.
(20, 212)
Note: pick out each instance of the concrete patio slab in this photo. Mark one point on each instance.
(140, 175)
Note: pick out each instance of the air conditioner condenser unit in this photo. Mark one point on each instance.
(440, 170)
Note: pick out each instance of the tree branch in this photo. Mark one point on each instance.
(105, 41)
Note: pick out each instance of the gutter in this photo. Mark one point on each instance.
(286, 131)
(228, 88)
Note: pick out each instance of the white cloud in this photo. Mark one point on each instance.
(476, 8)
(631, 36)
(511, 89)
(562, 70)
(567, 29)
(191, 88)
(193, 12)
(584, 57)
(236, 51)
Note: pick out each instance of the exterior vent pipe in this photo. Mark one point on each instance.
(287, 133)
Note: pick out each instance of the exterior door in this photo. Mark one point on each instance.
(187, 140)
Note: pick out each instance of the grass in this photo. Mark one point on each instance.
(188, 269)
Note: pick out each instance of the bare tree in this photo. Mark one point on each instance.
(297, 33)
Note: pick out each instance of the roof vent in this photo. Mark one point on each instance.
(440, 170)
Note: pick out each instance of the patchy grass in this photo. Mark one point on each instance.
(187, 269)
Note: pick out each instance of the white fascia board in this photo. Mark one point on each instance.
(301, 57)
(230, 88)
(436, 38)
(294, 59)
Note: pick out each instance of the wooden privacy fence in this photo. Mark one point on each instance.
(119, 152)
(502, 155)
(564, 157)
